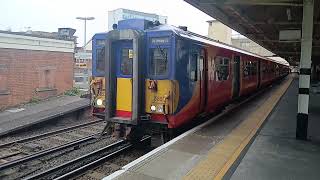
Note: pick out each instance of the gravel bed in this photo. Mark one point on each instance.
(113, 164)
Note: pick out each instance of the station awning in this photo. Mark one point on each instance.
(274, 24)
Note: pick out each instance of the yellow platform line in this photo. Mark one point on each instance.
(221, 157)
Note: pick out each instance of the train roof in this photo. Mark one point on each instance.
(207, 40)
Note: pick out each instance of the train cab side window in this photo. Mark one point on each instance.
(222, 68)
(193, 67)
(126, 61)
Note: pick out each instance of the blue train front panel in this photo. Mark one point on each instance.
(172, 90)
(97, 82)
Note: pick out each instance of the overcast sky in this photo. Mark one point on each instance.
(49, 15)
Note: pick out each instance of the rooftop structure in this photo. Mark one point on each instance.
(121, 14)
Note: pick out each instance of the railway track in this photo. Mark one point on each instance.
(19, 157)
(85, 163)
(22, 140)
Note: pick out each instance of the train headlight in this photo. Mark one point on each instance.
(153, 108)
(160, 109)
(99, 102)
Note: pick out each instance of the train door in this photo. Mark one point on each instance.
(123, 76)
(124, 56)
(259, 73)
(203, 78)
(236, 77)
(197, 76)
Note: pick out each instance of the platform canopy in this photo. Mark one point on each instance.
(274, 24)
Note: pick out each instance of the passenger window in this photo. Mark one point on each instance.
(254, 68)
(193, 67)
(126, 61)
(159, 61)
(250, 68)
(222, 68)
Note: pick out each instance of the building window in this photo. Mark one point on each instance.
(245, 45)
(3, 79)
(222, 68)
(47, 78)
(79, 79)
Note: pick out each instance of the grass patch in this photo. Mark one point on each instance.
(34, 100)
(75, 91)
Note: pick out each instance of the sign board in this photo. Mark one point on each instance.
(81, 65)
(83, 55)
(160, 40)
(285, 35)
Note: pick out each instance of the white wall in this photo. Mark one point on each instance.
(13, 41)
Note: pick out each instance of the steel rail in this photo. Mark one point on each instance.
(46, 152)
(89, 165)
(59, 131)
(97, 162)
(53, 170)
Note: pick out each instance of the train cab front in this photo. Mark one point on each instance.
(124, 79)
(97, 80)
(161, 88)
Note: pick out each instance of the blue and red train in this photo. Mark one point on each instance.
(144, 72)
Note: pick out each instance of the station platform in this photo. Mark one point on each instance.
(253, 141)
(18, 118)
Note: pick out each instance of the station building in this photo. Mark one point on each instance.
(83, 66)
(222, 33)
(35, 65)
(121, 14)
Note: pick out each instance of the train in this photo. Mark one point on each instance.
(150, 73)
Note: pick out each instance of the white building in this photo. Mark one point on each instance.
(223, 33)
(122, 14)
(82, 68)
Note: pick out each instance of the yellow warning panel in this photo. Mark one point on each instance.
(124, 94)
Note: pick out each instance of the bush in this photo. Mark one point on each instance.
(75, 91)
(34, 100)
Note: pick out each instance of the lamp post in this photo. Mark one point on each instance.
(85, 29)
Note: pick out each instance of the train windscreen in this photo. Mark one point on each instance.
(158, 61)
(100, 60)
(126, 61)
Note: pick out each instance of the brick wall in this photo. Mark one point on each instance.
(25, 74)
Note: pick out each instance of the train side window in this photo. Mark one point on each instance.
(222, 68)
(264, 67)
(254, 68)
(245, 69)
(250, 68)
(193, 67)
